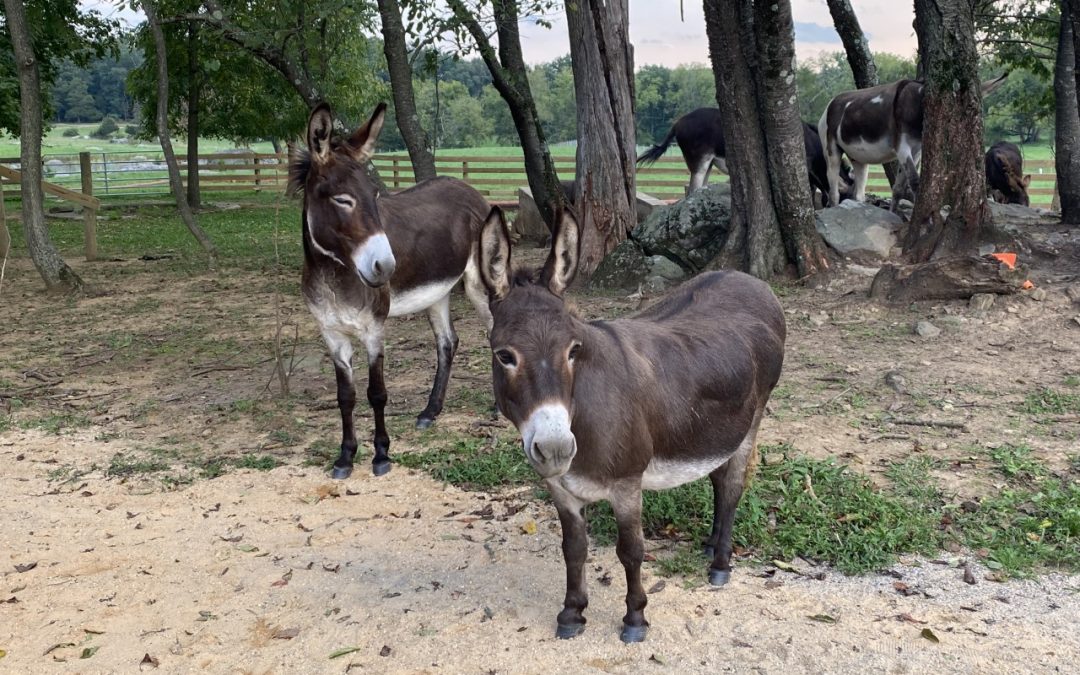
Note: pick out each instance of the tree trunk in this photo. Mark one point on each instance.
(602, 62)
(858, 52)
(783, 128)
(753, 244)
(401, 84)
(56, 273)
(194, 88)
(510, 78)
(1067, 120)
(175, 182)
(953, 171)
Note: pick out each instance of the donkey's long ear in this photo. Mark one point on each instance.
(319, 126)
(362, 142)
(562, 261)
(495, 255)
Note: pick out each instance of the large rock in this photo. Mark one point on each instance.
(1016, 214)
(859, 228)
(628, 268)
(690, 232)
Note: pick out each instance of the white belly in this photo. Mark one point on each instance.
(864, 152)
(662, 474)
(419, 298)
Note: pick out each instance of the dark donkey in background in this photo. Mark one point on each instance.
(701, 139)
(367, 257)
(608, 408)
(1005, 177)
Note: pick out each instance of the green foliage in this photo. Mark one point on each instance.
(474, 464)
(106, 129)
(1015, 461)
(71, 132)
(1048, 401)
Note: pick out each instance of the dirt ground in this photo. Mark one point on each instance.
(108, 565)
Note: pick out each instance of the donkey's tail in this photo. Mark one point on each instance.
(657, 151)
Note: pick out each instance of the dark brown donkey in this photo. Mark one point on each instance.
(608, 408)
(367, 257)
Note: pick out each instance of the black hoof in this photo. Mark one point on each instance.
(719, 577)
(631, 634)
(424, 422)
(381, 467)
(565, 631)
(341, 472)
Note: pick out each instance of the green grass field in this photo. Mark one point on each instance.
(56, 144)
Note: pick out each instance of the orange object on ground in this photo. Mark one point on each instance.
(1007, 258)
(1027, 285)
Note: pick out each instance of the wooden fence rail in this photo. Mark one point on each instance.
(99, 175)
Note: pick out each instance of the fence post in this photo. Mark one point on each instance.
(397, 175)
(465, 170)
(105, 169)
(258, 182)
(5, 236)
(89, 213)
(1055, 203)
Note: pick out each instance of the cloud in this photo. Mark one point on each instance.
(815, 33)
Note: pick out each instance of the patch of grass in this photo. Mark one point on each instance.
(911, 479)
(56, 423)
(1048, 401)
(1015, 461)
(685, 561)
(1071, 381)
(321, 453)
(124, 466)
(474, 463)
(259, 463)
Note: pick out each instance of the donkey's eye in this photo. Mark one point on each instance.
(574, 351)
(506, 357)
(344, 200)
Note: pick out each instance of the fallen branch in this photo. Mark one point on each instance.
(929, 423)
(15, 393)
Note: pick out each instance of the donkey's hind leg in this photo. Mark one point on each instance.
(446, 342)
(728, 482)
(341, 351)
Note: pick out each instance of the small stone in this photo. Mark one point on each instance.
(982, 301)
(1037, 294)
(1073, 293)
(941, 446)
(1012, 309)
(926, 329)
(819, 319)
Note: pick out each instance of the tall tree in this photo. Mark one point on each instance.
(195, 82)
(602, 59)
(30, 58)
(175, 182)
(509, 76)
(952, 171)
(857, 48)
(1067, 119)
(401, 86)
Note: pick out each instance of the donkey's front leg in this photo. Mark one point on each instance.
(341, 354)
(630, 547)
(575, 546)
(446, 342)
(376, 395)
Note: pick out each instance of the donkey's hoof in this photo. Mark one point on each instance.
(631, 634)
(381, 467)
(341, 472)
(424, 422)
(565, 631)
(719, 577)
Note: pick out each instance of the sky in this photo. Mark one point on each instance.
(661, 38)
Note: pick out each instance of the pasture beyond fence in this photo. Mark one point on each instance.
(131, 177)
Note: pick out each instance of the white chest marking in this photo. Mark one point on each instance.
(662, 474)
(583, 489)
(421, 297)
(340, 316)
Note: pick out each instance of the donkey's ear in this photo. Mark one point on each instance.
(495, 255)
(562, 261)
(1026, 181)
(319, 126)
(362, 143)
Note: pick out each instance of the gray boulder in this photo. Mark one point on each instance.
(690, 232)
(628, 268)
(1016, 214)
(859, 228)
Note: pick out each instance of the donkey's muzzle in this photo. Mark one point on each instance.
(552, 457)
(549, 443)
(375, 262)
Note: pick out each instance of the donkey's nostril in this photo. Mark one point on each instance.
(378, 268)
(538, 454)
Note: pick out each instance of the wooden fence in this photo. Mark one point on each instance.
(109, 175)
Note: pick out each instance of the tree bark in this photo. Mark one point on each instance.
(510, 78)
(401, 85)
(54, 271)
(955, 278)
(753, 244)
(194, 198)
(602, 61)
(175, 182)
(783, 128)
(953, 171)
(1067, 119)
(856, 47)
